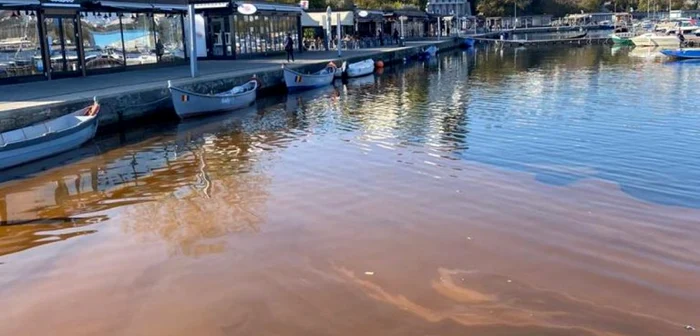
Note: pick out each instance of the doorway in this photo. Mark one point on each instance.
(218, 37)
(62, 41)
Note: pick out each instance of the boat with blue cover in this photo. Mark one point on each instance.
(682, 54)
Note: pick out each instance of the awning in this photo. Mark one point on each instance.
(317, 19)
(126, 5)
(363, 15)
(19, 2)
(272, 7)
(173, 8)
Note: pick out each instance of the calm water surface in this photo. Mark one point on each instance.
(496, 192)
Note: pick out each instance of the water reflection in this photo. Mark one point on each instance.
(563, 114)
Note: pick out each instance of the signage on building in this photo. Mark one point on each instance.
(304, 4)
(403, 17)
(362, 13)
(210, 5)
(247, 9)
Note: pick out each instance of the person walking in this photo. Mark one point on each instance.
(396, 36)
(289, 47)
(681, 38)
(160, 50)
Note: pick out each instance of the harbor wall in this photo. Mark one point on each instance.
(154, 101)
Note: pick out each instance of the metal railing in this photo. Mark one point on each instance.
(351, 43)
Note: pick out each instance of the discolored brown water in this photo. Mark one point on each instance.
(380, 207)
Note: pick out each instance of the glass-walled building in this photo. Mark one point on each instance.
(51, 39)
(245, 29)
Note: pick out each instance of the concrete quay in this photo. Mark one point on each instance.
(131, 95)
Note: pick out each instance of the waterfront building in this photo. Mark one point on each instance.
(49, 39)
(414, 25)
(458, 8)
(314, 23)
(239, 29)
(524, 21)
(368, 22)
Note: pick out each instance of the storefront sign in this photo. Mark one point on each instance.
(210, 5)
(247, 9)
(362, 13)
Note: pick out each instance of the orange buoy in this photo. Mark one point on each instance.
(379, 64)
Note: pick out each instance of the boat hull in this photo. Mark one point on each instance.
(189, 104)
(620, 40)
(682, 54)
(48, 145)
(648, 40)
(296, 81)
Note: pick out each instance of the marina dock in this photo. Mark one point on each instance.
(523, 43)
(135, 94)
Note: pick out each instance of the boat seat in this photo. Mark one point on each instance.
(35, 131)
(13, 136)
(58, 124)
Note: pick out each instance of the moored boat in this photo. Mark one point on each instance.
(299, 81)
(622, 38)
(48, 138)
(358, 69)
(189, 104)
(682, 54)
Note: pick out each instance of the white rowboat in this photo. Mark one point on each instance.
(189, 104)
(48, 138)
(299, 81)
(358, 69)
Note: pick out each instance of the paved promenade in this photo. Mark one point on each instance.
(36, 94)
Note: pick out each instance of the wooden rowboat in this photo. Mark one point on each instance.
(189, 104)
(358, 69)
(48, 138)
(299, 81)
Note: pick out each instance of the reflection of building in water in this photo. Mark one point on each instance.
(204, 183)
(414, 106)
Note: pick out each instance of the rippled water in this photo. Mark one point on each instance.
(496, 192)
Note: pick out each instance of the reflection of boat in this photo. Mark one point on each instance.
(358, 69)
(295, 99)
(299, 81)
(429, 52)
(682, 54)
(360, 81)
(188, 104)
(468, 42)
(645, 52)
(48, 138)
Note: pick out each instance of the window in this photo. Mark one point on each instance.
(102, 40)
(20, 51)
(139, 38)
(169, 33)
